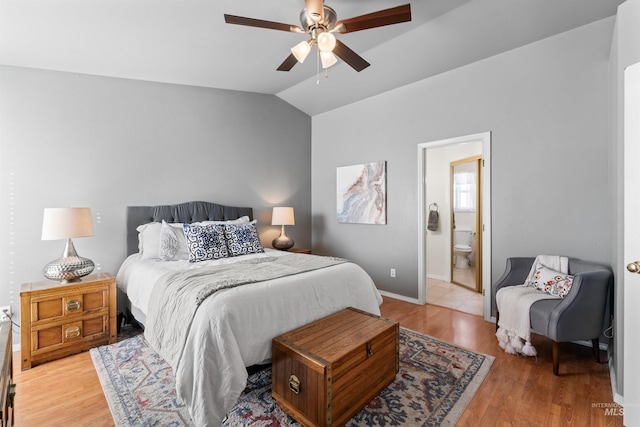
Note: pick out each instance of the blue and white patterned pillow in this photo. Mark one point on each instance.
(205, 242)
(242, 239)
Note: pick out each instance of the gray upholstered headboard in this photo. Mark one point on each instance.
(184, 212)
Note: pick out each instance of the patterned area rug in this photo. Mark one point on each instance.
(435, 384)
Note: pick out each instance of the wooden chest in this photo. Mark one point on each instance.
(62, 319)
(327, 371)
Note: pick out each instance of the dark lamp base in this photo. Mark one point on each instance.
(283, 243)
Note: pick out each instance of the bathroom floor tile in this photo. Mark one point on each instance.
(454, 296)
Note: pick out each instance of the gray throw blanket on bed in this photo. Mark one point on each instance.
(177, 295)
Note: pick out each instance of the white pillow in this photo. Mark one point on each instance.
(149, 240)
(168, 242)
(241, 220)
(173, 244)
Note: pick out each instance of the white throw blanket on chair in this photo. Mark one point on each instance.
(514, 305)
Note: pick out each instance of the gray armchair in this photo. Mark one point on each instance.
(578, 316)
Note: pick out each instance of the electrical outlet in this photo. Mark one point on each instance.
(5, 313)
(393, 272)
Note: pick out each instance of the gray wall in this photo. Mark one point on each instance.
(105, 143)
(546, 106)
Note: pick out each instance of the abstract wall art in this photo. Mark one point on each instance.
(362, 193)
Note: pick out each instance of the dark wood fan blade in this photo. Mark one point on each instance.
(394, 15)
(288, 63)
(251, 22)
(350, 57)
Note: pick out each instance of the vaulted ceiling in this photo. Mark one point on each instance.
(188, 42)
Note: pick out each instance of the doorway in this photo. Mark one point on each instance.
(434, 247)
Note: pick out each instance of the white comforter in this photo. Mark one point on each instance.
(233, 328)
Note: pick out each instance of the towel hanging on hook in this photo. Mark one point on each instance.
(434, 218)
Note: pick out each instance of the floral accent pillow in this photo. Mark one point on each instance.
(242, 239)
(205, 242)
(552, 282)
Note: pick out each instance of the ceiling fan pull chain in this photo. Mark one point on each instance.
(318, 66)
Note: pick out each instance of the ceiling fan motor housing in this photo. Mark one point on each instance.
(312, 21)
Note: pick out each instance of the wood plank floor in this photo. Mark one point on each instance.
(518, 391)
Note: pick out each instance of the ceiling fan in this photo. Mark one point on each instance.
(320, 22)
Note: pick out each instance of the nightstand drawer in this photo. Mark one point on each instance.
(50, 308)
(63, 319)
(48, 338)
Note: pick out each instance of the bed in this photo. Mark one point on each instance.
(209, 344)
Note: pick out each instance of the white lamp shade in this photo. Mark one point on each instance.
(301, 50)
(326, 42)
(66, 223)
(328, 59)
(283, 216)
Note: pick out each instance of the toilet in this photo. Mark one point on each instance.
(462, 247)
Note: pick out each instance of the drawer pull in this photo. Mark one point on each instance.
(369, 351)
(72, 332)
(294, 384)
(73, 305)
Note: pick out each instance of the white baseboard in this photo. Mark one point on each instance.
(617, 397)
(435, 277)
(399, 297)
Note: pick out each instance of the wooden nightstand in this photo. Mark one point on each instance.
(300, 251)
(57, 320)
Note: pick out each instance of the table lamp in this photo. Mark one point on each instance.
(282, 216)
(67, 223)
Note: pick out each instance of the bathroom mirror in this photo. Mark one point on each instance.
(465, 222)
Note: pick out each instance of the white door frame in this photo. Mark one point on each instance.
(485, 137)
(630, 282)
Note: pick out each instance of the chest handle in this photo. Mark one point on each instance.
(294, 384)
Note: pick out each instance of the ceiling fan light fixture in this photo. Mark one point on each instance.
(328, 59)
(301, 50)
(326, 41)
